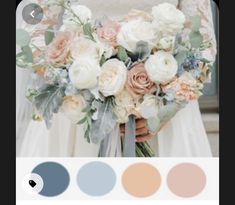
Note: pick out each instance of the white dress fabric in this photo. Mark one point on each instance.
(182, 136)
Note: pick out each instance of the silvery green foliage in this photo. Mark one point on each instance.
(153, 124)
(22, 37)
(71, 90)
(105, 123)
(167, 112)
(195, 36)
(48, 100)
(49, 35)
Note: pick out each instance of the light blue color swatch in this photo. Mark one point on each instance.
(96, 178)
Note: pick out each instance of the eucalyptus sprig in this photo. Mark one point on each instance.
(87, 121)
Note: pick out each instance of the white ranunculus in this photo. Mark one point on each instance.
(84, 47)
(112, 77)
(83, 73)
(134, 31)
(166, 43)
(72, 107)
(148, 108)
(168, 19)
(81, 11)
(161, 67)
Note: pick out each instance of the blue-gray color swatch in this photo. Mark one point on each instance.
(96, 178)
(55, 178)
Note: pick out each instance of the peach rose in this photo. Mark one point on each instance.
(108, 32)
(58, 51)
(186, 87)
(138, 83)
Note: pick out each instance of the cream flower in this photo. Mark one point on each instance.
(166, 43)
(161, 67)
(112, 77)
(125, 105)
(83, 47)
(134, 31)
(72, 107)
(168, 19)
(149, 107)
(83, 73)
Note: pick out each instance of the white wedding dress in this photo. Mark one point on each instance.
(183, 136)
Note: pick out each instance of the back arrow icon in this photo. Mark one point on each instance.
(32, 13)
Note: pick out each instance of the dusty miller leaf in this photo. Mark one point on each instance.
(48, 100)
(167, 112)
(104, 124)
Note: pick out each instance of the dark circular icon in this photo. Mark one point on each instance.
(32, 13)
(32, 183)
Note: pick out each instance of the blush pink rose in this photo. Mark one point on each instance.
(58, 51)
(138, 83)
(108, 32)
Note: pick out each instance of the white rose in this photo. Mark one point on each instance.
(112, 77)
(166, 43)
(161, 67)
(83, 73)
(84, 47)
(134, 31)
(148, 108)
(168, 19)
(72, 107)
(81, 11)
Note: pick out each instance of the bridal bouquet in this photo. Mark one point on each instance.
(103, 72)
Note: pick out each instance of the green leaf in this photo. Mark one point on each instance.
(153, 124)
(102, 60)
(27, 52)
(87, 30)
(22, 37)
(167, 112)
(83, 120)
(196, 39)
(195, 23)
(122, 54)
(204, 60)
(48, 100)
(87, 109)
(21, 60)
(49, 36)
(180, 57)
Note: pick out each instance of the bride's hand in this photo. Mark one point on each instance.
(142, 132)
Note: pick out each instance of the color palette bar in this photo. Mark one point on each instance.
(94, 178)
